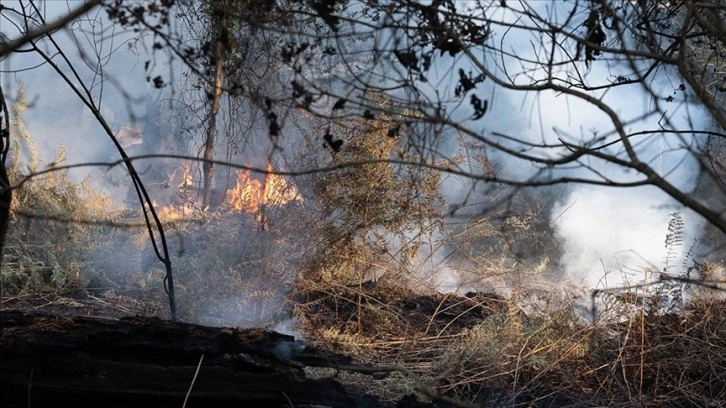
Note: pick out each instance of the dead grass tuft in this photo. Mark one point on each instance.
(485, 349)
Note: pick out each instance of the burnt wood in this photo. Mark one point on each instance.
(58, 361)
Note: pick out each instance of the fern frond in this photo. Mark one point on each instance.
(674, 238)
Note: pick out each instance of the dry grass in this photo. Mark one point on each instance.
(481, 348)
(538, 359)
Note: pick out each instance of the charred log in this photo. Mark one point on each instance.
(81, 361)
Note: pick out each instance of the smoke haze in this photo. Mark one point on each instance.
(612, 233)
(618, 232)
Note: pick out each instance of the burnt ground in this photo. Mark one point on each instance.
(62, 360)
(82, 350)
(378, 310)
(368, 345)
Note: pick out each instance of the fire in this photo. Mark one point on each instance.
(187, 180)
(171, 213)
(250, 195)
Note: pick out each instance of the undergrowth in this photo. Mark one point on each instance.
(51, 239)
(646, 346)
(481, 348)
(494, 353)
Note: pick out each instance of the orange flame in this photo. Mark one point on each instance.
(250, 195)
(171, 213)
(187, 180)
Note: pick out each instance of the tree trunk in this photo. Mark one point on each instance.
(208, 167)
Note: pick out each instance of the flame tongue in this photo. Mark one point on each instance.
(187, 180)
(171, 213)
(267, 185)
(246, 194)
(249, 195)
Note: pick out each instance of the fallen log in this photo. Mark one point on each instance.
(48, 361)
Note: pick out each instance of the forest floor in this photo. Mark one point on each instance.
(84, 350)
(369, 345)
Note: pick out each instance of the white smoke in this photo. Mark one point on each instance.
(618, 232)
(612, 236)
(604, 231)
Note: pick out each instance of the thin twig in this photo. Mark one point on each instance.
(193, 380)
(289, 401)
(47, 28)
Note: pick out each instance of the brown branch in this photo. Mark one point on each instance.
(48, 28)
(6, 192)
(208, 167)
